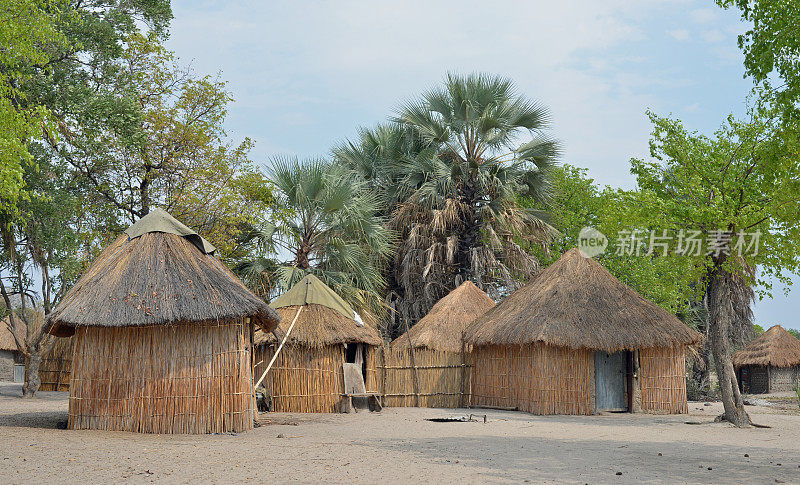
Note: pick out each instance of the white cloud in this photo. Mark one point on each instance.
(681, 35)
(704, 15)
(692, 108)
(713, 36)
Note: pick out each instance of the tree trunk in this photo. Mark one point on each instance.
(32, 381)
(468, 241)
(721, 317)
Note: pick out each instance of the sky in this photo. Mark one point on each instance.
(306, 76)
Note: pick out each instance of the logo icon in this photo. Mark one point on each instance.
(591, 242)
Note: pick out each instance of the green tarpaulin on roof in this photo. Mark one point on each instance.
(159, 220)
(311, 290)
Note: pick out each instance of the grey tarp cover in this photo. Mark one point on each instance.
(311, 290)
(159, 220)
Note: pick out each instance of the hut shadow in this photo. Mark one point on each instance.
(40, 420)
(547, 459)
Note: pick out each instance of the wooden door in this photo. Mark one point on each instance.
(610, 381)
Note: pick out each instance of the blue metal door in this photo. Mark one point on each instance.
(610, 381)
(19, 372)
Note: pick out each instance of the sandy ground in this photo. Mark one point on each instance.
(400, 446)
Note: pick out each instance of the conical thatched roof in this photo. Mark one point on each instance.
(442, 328)
(776, 347)
(577, 303)
(158, 273)
(325, 319)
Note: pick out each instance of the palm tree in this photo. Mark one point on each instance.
(329, 228)
(450, 172)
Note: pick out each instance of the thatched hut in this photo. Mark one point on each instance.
(576, 340)
(162, 332)
(770, 363)
(307, 375)
(12, 361)
(428, 366)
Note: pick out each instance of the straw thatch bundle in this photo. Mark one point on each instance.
(577, 303)
(776, 347)
(443, 327)
(157, 277)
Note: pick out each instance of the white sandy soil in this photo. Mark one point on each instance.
(400, 446)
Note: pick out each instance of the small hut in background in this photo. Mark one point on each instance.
(770, 363)
(12, 361)
(432, 355)
(162, 335)
(576, 340)
(307, 375)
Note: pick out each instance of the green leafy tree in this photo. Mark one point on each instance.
(771, 48)
(741, 190)
(28, 33)
(328, 228)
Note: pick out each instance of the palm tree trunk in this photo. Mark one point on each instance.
(469, 239)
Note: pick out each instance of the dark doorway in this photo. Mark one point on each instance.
(611, 381)
(356, 354)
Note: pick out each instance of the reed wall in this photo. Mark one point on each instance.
(374, 359)
(54, 371)
(182, 378)
(302, 379)
(537, 378)
(432, 378)
(662, 378)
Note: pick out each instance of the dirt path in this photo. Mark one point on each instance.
(398, 445)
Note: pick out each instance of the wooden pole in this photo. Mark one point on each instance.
(461, 399)
(277, 351)
(414, 379)
(252, 369)
(384, 351)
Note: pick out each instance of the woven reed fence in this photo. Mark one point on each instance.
(537, 378)
(662, 378)
(429, 378)
(182, 378)
(56, 366)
